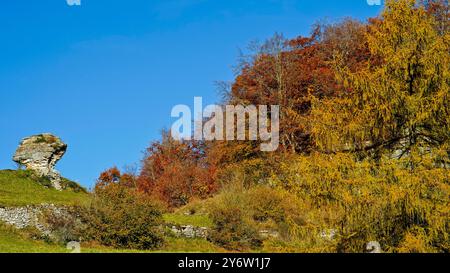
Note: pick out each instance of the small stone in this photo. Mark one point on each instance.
(328, 234)
(374, 247)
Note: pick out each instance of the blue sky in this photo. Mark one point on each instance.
(105, 75)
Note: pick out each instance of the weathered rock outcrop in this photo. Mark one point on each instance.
(40, 153)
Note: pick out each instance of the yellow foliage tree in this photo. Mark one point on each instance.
(400, 101)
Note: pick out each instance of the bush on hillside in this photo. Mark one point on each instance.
(123, 218)
(233, 227)
(64, 225)
(243, 219)
(69, 185)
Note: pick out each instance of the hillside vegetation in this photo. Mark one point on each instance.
(22, 188)
(17, 241)
(364, 138)
(364, 153)
(14, 241)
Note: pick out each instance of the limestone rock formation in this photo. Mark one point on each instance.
(40, 153)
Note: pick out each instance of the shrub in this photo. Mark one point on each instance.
(233, 227)
(63, 224)
(123, 218)
(69, 185)
(267, 203)
(244, 219)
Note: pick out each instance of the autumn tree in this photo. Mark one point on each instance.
(176, 171)
(275, 77)
(439, 9)
(115, 176)
(400, 100)
(107, 178)
(287, 72)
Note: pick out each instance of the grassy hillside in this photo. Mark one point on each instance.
(17, 241)
(14, 241)
(21, 188)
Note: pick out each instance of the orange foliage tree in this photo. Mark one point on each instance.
(288, 73)
(175, 172)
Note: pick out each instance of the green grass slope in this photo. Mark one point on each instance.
(15, 241)
(21, 188)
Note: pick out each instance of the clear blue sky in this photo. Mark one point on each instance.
(104, 75)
